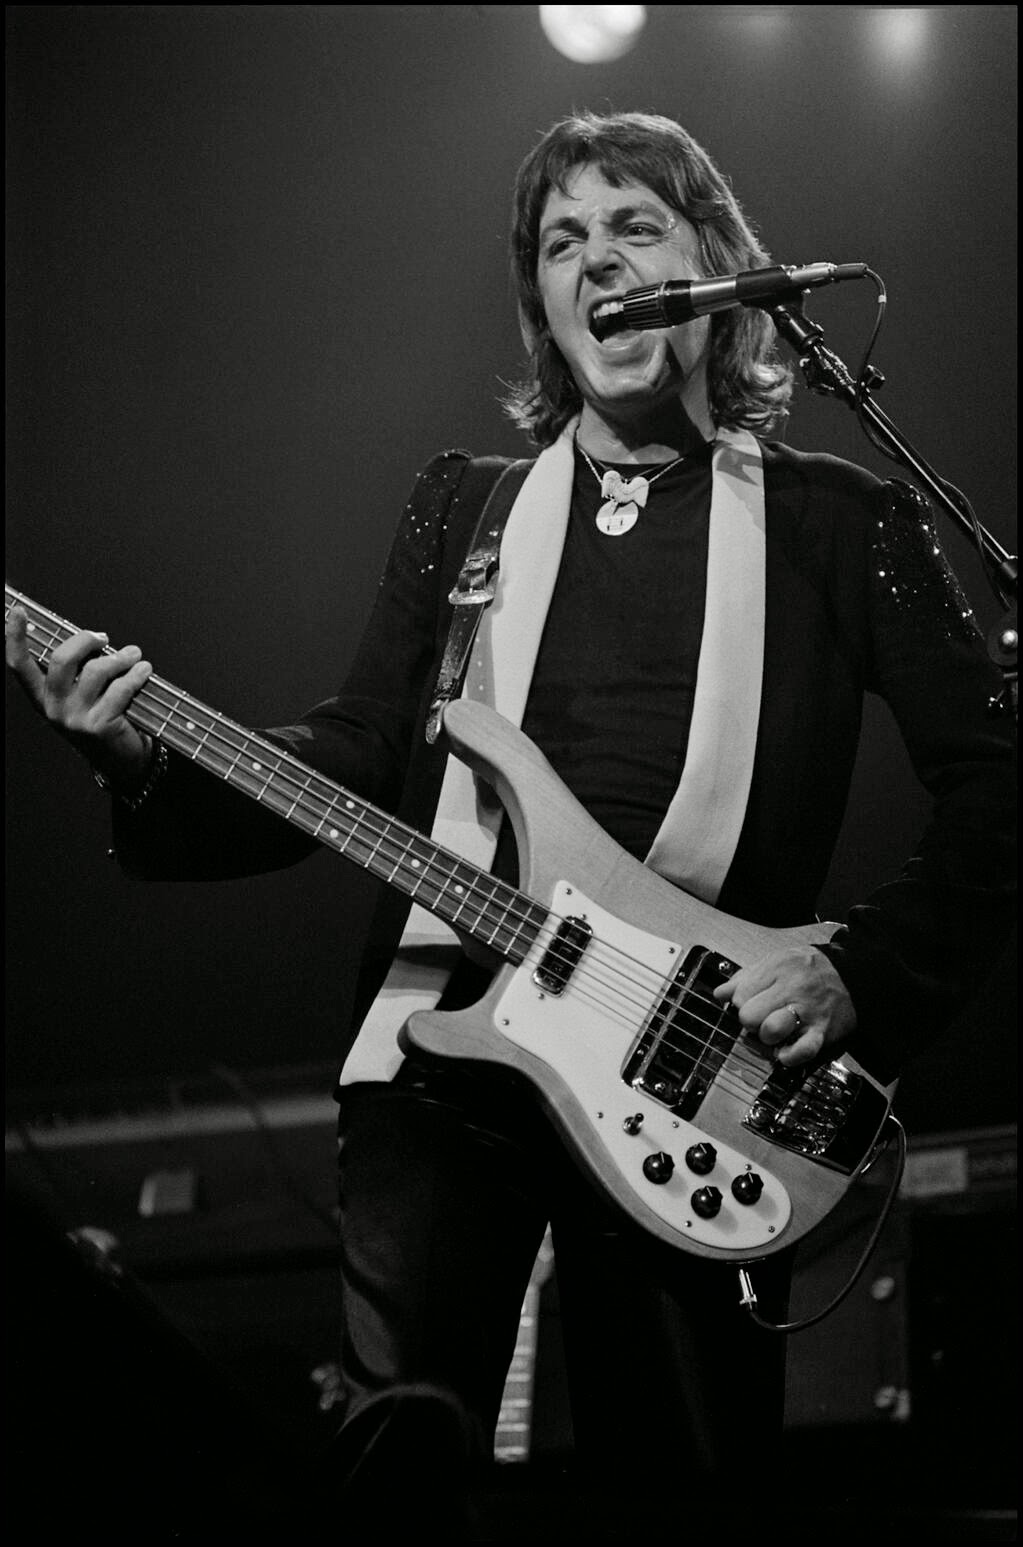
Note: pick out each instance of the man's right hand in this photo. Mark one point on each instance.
(84, 694)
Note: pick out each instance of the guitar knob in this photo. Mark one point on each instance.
(701, 1158)
(747, 1187)
(707, 1202)
(658, 1168)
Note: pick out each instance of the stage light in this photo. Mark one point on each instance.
(901, 32)
(592, 34)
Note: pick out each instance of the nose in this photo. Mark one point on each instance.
(601, 257)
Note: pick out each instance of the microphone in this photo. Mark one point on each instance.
(680, 300)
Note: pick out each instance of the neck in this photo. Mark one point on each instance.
(661, 436)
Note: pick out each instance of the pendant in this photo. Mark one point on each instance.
(615, 520)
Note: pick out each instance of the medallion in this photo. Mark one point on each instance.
(615, 520)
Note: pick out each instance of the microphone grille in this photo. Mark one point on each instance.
(645, 308)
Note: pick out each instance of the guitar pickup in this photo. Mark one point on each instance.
(563, 955)
(685, 1042)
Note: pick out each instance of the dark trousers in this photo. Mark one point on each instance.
(447, 1182)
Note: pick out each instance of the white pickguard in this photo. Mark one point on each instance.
(585, 1033)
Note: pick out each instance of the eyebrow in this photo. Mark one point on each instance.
(619, 217)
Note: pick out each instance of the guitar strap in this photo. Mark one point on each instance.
(474, 591)
(426, 956)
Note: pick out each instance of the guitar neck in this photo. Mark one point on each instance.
(439, 880)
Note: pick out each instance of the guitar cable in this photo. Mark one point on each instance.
(747, 1294)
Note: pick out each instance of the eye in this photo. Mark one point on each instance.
(558, 246)
(643, 229)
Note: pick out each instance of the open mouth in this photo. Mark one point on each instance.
(605, 323)
(601, 312)
(610, 301)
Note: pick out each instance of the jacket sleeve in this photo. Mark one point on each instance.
(914, 952)
(194, 827)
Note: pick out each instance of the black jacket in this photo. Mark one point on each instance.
(859, 599)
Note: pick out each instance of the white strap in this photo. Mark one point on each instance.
(697, 839)
(468, 816)
(507, 644)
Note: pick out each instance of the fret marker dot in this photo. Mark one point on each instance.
(349, 805)
(333, 832)
(415, 864)
(459, 890)
(257, 767)
(190, 725)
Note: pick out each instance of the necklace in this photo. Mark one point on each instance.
(623, 499)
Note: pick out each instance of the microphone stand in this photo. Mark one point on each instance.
(826, 374)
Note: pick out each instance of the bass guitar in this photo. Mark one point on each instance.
(603, 994)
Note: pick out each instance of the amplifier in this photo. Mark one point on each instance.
(914, 1374)
(866, 1364)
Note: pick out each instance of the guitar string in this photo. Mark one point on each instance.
(725, 1075)
(730, 1049)
(726, 1046)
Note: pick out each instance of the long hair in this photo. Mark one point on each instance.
(748, 385)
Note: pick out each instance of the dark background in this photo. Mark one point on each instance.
(257, 278)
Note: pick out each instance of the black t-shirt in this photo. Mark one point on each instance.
(612, 693)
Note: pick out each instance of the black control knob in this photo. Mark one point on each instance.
(747, 1187)
(658, 1168)
(707, 1202)
(701, 1158)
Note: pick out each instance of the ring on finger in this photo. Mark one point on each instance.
(796, 1017)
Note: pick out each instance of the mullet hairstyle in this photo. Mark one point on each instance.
(748, 385)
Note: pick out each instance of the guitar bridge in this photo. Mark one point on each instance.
(830, 1114)
(681, 1049)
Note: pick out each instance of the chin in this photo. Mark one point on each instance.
(635, 390)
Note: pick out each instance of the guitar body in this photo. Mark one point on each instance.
(602, 1050)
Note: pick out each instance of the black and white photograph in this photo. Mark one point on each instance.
(511, 978)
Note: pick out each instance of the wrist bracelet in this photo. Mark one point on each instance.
(157, 768)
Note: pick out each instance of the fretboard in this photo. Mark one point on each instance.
(439, 880)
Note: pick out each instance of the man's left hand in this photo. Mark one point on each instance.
(793, 997)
